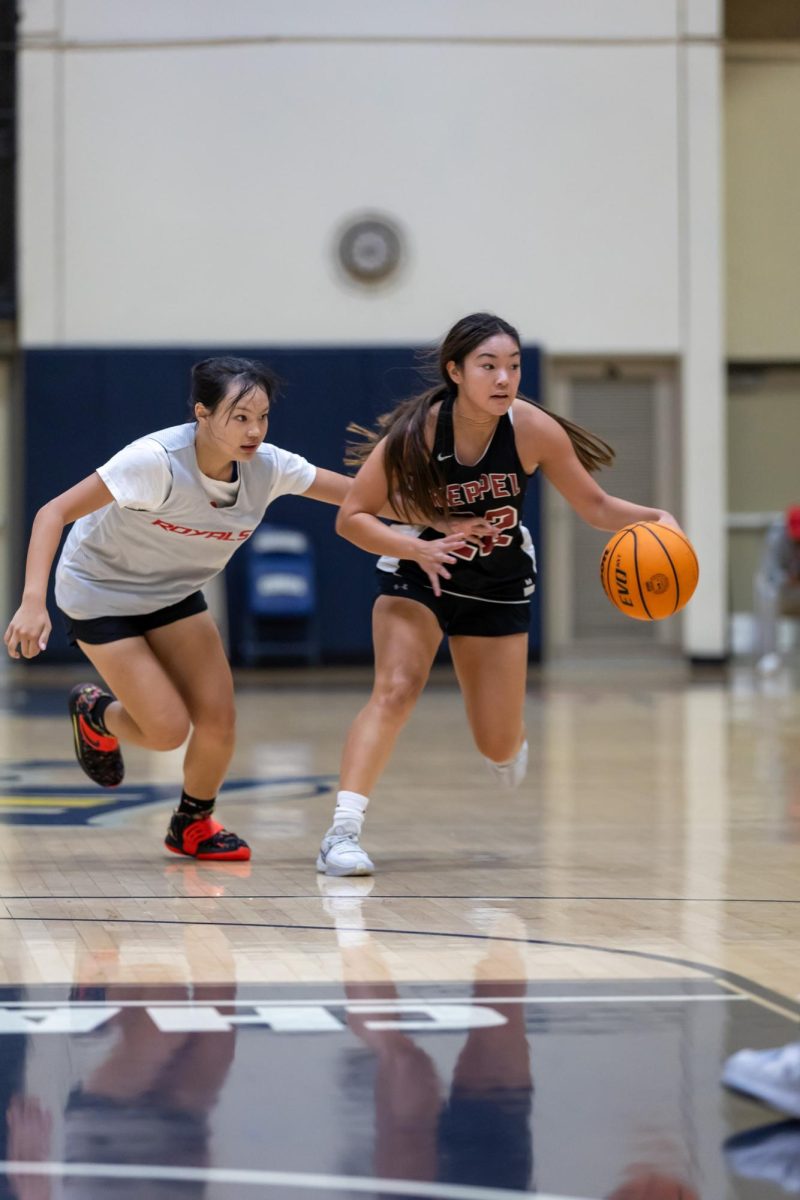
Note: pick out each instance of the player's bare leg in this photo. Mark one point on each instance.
(406, 637)
(492, 674)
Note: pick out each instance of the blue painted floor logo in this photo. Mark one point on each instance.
(30, 794)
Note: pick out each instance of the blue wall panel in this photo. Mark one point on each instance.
(82, 405)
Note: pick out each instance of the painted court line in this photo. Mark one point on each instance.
(400, 1002)
(285, 1179)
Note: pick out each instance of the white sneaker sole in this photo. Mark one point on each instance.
(324, 868)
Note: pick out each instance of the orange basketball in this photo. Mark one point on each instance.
(649, 571)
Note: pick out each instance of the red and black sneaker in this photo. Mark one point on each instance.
(205, 839)
(95, 749)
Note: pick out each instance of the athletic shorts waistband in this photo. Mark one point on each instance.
(97, 631)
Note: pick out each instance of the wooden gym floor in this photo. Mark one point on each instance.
(534, 996)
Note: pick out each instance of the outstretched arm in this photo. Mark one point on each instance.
(329, 486)
(541, 440)
(30, 626)
(333, 488)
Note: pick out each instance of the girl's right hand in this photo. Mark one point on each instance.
(28, 630)
(474, 529)
(432, 557)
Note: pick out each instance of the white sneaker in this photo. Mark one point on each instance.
(341, 854)
(770, 1075)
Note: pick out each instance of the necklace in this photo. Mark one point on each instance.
(474, 420)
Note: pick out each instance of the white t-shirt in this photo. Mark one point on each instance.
(171, 528)
(139, 476)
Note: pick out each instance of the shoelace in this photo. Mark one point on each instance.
(340, 834)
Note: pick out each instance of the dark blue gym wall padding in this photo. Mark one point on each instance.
(82, 405)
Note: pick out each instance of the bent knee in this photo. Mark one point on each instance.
(398, 694)
(169, 735)
(166, 726)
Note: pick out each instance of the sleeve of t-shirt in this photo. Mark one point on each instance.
(291, 473)
(139, 475)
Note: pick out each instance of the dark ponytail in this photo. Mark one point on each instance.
(413, 478)
(415, 482)
(592, 452)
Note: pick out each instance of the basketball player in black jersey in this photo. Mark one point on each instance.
(458, 458)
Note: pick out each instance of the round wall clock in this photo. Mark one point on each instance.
(369, 248)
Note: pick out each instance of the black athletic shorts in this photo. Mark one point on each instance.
(99, 630)
(459, 615)
(485, 1137)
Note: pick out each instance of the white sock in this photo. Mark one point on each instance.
(350, 806)
(510, 774)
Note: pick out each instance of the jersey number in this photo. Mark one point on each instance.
(502, 518)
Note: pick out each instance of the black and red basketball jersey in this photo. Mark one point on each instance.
(493, 488)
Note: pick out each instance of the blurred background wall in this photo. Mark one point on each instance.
(762, 202)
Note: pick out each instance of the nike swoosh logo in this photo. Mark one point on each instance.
(442, 457)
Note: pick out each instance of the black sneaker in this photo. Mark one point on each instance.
(204, 838)
(97, 752)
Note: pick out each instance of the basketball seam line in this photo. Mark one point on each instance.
(678, 534)
(674, 569)
(636, 572)
(607, 581)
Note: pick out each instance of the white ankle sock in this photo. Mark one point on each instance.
(510, 774)
(350, 806)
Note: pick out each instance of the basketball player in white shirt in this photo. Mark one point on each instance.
(151, 527)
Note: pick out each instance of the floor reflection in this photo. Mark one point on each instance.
(473, 1128)
(213, 1092)
(769, 1154)
(134, 1095)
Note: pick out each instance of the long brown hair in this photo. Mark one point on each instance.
(414, 479)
